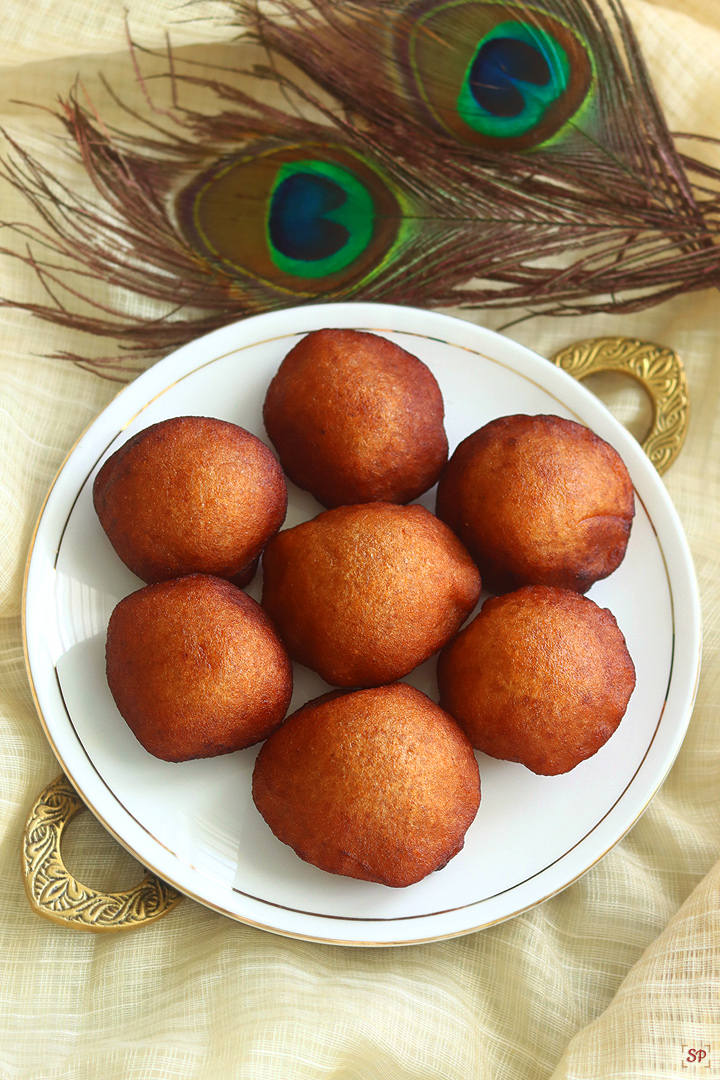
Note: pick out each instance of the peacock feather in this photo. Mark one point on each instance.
(489, 75)
(460, 152)
(329, 217)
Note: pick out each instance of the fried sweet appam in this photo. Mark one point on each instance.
(196, 668)
(538, 500)
(363, 594)
(541, 676)
(355, 418)
(378, 784)
(192, 494)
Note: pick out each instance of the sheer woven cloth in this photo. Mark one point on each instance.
(618, 976)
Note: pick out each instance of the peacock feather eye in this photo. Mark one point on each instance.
(306, 219)
(321, 218)
(495, 75)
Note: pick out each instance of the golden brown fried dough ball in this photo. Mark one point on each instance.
(541, 676)
(363, 594)
(356, 419)
(191, 494)
(380, 784)
(538, 500)
(196, 668)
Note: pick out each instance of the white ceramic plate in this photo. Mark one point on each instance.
(194, 823)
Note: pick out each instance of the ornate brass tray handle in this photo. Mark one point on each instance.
(57, 895)
(53, 891)
(657, 369)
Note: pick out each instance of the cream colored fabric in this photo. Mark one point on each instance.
(617, 977)
(43, 30)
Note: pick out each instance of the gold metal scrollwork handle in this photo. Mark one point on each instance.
(659, 370)
(53, 891)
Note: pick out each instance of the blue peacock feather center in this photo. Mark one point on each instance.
(298, 222)
(321, 218)
(496, 70)
(518, 72)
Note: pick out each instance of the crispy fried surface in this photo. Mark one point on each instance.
(378, 784)
(541, 676)
(196, 668)
(538, 500)
(355, 419)
(191, 494)
(363, 594)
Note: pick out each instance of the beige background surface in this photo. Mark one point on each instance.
(616, 977)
